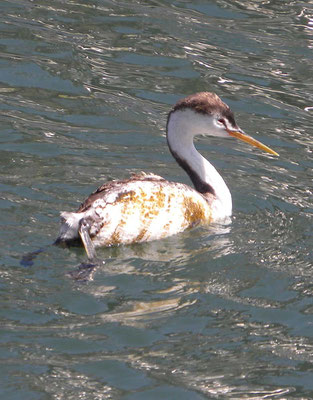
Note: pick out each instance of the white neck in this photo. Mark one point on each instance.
(182, 127)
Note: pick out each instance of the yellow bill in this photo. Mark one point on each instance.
(248, 139)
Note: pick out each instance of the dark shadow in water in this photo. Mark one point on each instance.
(28, 258)
(82, 273)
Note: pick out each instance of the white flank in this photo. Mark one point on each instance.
(144, 211)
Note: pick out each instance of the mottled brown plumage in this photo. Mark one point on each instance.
(143, 208)
(117, 186)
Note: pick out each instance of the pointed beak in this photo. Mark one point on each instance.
(248, 139)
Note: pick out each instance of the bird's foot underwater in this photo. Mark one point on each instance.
(83, 272)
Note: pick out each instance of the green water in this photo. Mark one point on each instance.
(219, 312)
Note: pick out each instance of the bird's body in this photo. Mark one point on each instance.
(143, 208)
(147, 207)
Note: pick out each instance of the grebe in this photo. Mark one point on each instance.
(146, 207)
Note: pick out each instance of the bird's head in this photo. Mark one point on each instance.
(206, 114)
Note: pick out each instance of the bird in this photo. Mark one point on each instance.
(147, 207)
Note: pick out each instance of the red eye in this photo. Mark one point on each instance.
(222, 121)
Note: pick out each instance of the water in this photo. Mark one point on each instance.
(219, 312)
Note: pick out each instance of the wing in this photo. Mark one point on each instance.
(117, 187)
